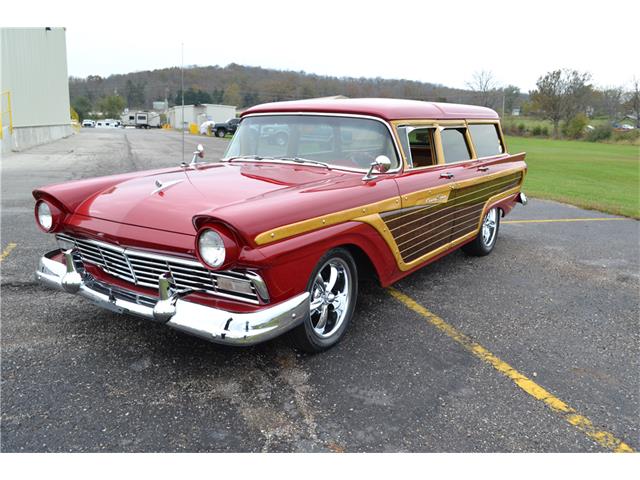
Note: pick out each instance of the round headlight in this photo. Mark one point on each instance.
(211, 248)
(45, 218)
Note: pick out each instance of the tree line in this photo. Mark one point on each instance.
(561, 96)
(243, 87)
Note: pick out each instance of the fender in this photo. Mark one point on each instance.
(288, 264)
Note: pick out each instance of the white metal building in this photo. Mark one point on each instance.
(35, 87)
(197, 114)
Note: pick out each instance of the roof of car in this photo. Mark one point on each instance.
(385, 108)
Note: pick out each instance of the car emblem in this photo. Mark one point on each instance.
(161, 186)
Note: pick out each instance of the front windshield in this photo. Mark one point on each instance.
(341, 142)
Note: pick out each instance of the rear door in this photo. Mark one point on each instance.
(459, 156)
(487, 175)
(423, 226)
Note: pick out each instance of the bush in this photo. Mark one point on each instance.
(575, 127)
(600, 133)
(521, 128)
(544, 131)
(630, 136)
(507, 128)
(537, 130)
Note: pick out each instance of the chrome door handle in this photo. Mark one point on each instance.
(446, 175)
(483, 169)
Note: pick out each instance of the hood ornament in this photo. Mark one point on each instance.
(161, 186)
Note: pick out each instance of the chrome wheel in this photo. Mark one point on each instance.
(330, 297)
(489, 227)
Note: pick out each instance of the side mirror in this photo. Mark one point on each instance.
(381, 164)
(198, 153)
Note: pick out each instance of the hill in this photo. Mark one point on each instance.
(244, 86)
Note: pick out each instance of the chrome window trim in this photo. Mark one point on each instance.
(407, 130)
(321, 114)
(454, 125)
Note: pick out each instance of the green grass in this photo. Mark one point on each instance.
(596, 176)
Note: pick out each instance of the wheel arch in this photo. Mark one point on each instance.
(289, 262)
(364, 264)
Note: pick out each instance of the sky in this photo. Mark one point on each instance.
(442, 42)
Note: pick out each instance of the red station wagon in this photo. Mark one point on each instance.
(273, 238)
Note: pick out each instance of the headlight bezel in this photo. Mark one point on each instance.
(226, 241)
(55, 215)
(211, 248)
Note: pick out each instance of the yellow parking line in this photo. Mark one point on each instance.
(554, 220)
(604, 439)
(5, 253)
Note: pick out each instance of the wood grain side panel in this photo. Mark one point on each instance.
(420, 230)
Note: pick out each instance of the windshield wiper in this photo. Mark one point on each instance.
(303, 160)
(286, 159)
(249, 157)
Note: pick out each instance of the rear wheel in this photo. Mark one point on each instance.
(221, 132)
(333, 290)
(485, 241)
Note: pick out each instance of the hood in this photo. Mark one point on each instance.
(169, 200)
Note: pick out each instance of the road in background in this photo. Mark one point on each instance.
(557, 301)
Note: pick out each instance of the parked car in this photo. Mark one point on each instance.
(275, 238)
(108, 123)
(88, 123)
(279, 134)
(230, 126)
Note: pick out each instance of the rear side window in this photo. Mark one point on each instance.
(454, 145)
(486, 140)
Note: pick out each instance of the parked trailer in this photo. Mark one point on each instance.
(141, 119)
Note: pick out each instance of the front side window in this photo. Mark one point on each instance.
(345, 142)
(418, 145)
(486, 140)
(454, 145)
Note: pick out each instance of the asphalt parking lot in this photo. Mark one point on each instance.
(557, 302)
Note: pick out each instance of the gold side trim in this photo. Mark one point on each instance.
(323, 221)
(365, 211)
(414, 198)
(457, 199)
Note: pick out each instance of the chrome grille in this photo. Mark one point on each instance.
(144, 269)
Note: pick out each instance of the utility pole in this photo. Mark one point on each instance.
(182, 93)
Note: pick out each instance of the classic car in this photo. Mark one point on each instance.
(274, 237)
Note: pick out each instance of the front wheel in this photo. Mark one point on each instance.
(333, 290)
(485, 241)
(220, 133)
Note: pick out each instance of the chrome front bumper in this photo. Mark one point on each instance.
(213, 324)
